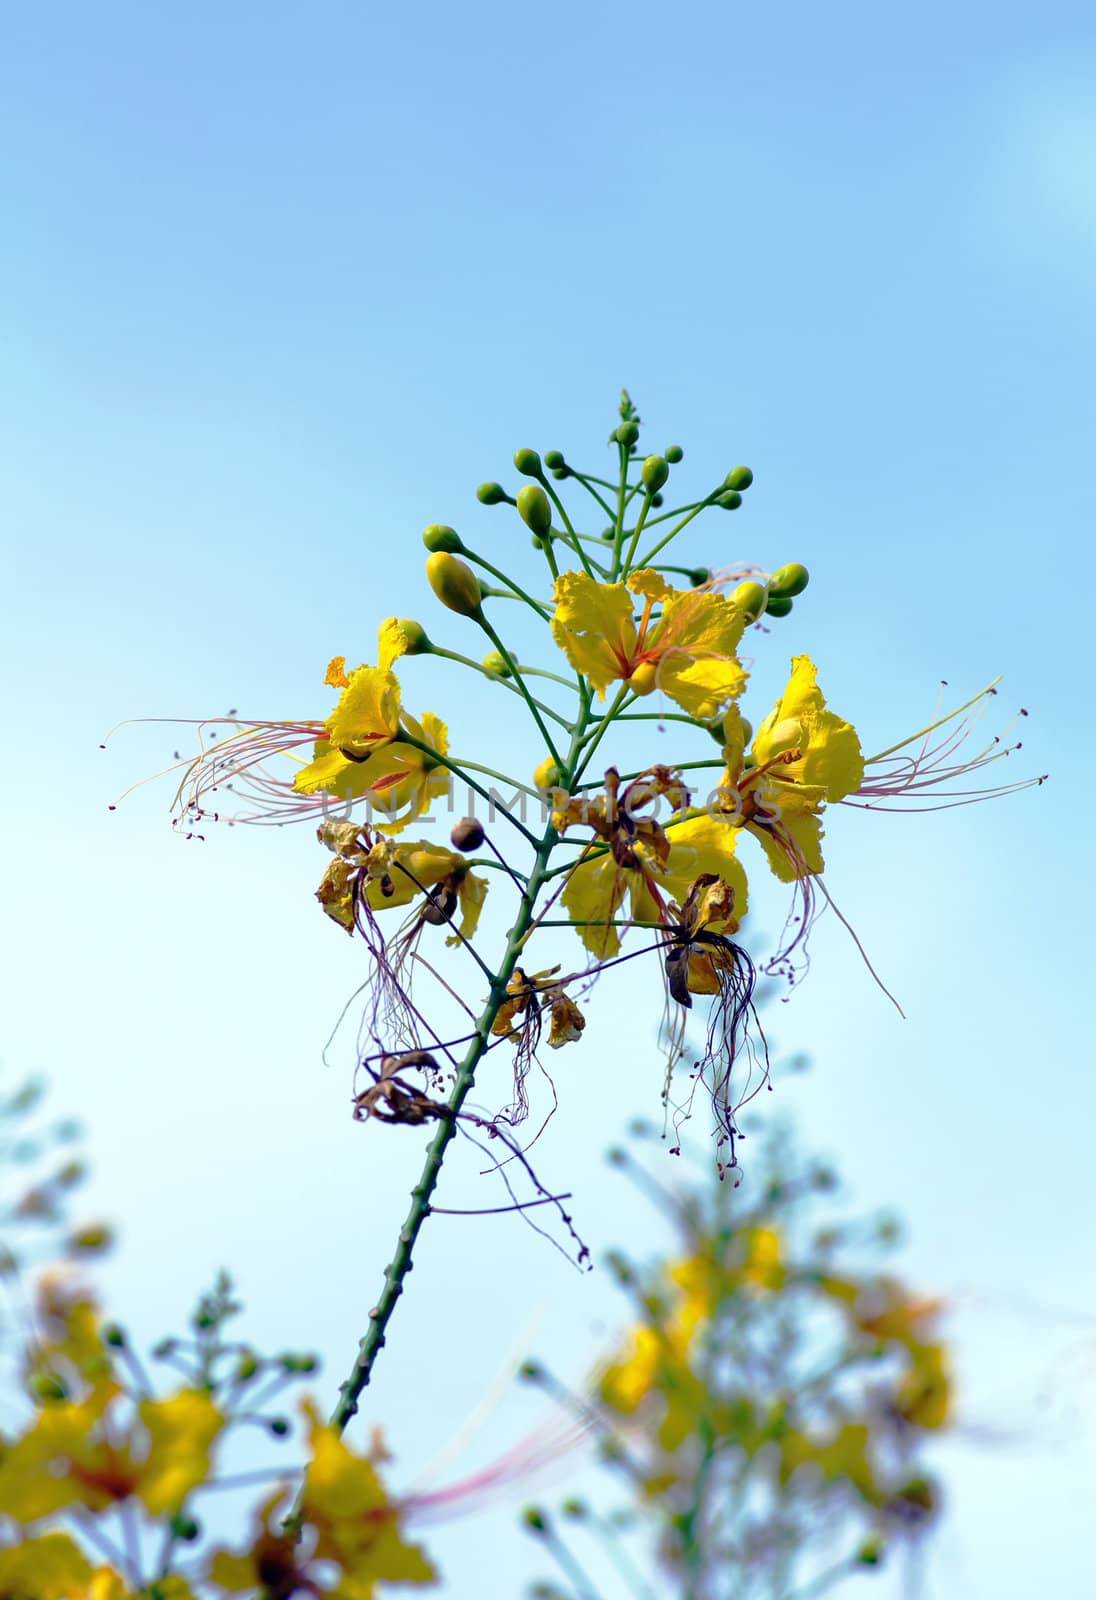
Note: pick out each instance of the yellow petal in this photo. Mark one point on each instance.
(705, 844)
(368, 711)
(471, 894)
(392, 643)
(335, 675)
(594, 892)
(594, 626)
(793, 846)
(695, 644)
(649, 583)
(181, 1431)
(51, 1567)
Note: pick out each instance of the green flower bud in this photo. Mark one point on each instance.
(870, 1553)
(491, 494)
(561, 472)
(627, 434)
(789, 581)
(655, 471)
(247, 1367)
(91, 1240)
(778, 605)
(495, 661)
(417, 642)
(528, 463)
(749, 597)
(577, 1510)
(46, 1386)
(437, 537)
(553, 460)
(673, 453)
(185, 1528)
(608, 534)
(531, 1371)
(290, 1362)
(656, 500)
(114, 1336)
(730, 500)
(534, 509)
(279, 1426)
(699, 575)
(738, 478)
(454, 583)
(535, 1519)
(72, 1173)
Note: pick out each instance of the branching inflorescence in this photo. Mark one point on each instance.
(643, 865)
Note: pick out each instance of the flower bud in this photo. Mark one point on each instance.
(789, 581)
(655, 472)
(561, 472)
(528, 463)
(114, 1336)
(656, 500)
(45, 1386)
(535, 1519)
(644, 678)
(738, 478)
(454, 583)
(467, 834)
(185, 1528)
(577, 1510)
(437, 537)
(553, 460)
(534, 510)
(90, 1240)
(627, 434)
(778, 605)
(491, 494)
(279, 1426)
(608, 534)
(415, 634)
(870, 1553)
(496, 662)
(673, 453)
(548, 775)
(699, 575)
(730, 500)
(749, 597)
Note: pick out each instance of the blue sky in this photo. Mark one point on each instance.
(279, 289)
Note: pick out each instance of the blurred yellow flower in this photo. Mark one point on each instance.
(689, 651)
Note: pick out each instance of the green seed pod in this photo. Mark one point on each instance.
(495, 662)
(417, 642)
(534, 509)
(779, 605)
(786, 582)
(674, 453)
(438, 538)
(738, 478)
(553, 460)
(528, 463)
(627, 434)
(751, 598)
(655, 471)
(454, 583)
(730, 500)
(491, 494)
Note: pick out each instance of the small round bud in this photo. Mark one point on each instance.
(789, 581)
(279, 1426)
(750, 597)
(467, 834)
(185, 1528)
(778, 605)
(454, 583)
(870, 1553)
(437, 537)
(700, 575)
(72, 1173)
(496, 662)
(531, 1371)
(535, 1519)
(730, 500)
(528, 463)
(534, 509)
(247, 1367)
(608, 534)
(548, 775)
(627, 434)
(738, 478)
(114, 1336)
(561, 472)
(491, 494)
(577, 1510)
(91, 1240)
(46, 1386)
(415, 634)
(673, 453)
(553, 460)
(291, 1361)
(644, 679)
(657, 500)
(538, 543)
(654, 472)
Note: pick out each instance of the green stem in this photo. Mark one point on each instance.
(572, 540)
(497, 677)
(636, 531)
(458, 771)
(503, 777)
(673, 533)
(518, 591)
(520, 685)
(586, 480)
(605, 722)
(622, 492)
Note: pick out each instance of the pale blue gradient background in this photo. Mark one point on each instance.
(281, 285)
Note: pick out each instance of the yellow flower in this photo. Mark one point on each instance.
(383, 874)
(645, 864)
(688, 652)
(802, 758)
(924, 1393)
(83, 1453)
(51, 1567)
